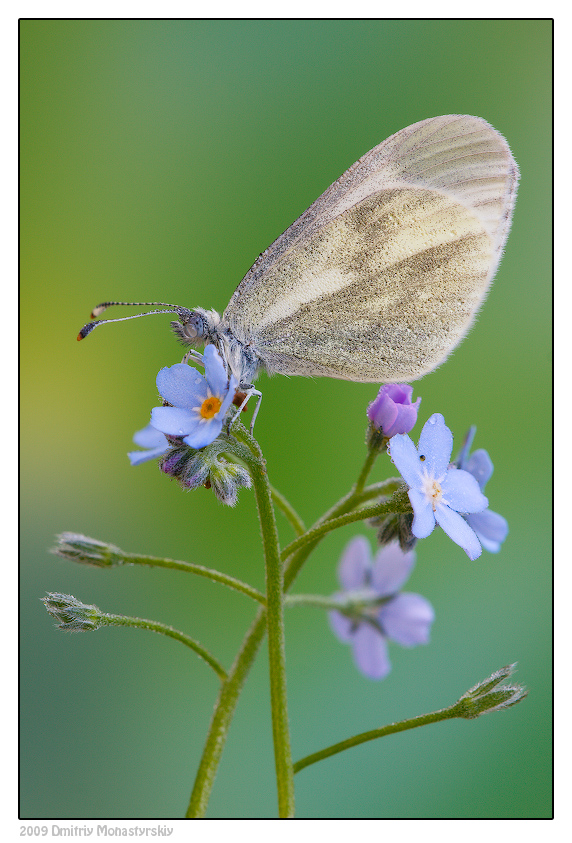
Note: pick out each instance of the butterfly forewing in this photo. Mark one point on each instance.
(382, 276)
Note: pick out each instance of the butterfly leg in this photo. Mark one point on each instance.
(250, 391)
(193, 355)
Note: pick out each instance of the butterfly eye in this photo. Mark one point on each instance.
(192, 328)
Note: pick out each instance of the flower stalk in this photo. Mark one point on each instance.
(230, 690)
(275, 627)
(75, 616)
(222, 717)
(80, 548)
(487, 696)
(398, 503)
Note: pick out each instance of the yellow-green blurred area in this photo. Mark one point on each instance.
(159, 158)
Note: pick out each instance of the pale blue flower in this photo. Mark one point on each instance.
(199, 404)
(438, 491)
(379, 612)
(156, 443)
(490, 527)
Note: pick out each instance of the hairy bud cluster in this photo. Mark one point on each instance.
(208, 468)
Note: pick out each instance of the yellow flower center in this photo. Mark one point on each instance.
(433, 490)
(210, 407)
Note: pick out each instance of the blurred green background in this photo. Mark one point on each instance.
(158, 159)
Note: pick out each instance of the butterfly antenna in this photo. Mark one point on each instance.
(182, 312)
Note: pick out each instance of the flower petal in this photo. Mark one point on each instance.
(215, 371)
(174, 421)
(461, 492)
(435, 444)
(232, 387)
(464, 453)
(355, 564)
(382, 412)
(490, 527)
(391, 568)
(400, 392)
(480, 466)
(370, 652)
(407, 619)
(204, 433)
(406, 419)
(457, 529)
(424, 517)
(342, 626)
(182, 386)
(150, 437)
(404, 456)
(137, 457)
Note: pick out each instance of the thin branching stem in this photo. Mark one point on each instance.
(163, 629)
(199, 570)
(231, 688)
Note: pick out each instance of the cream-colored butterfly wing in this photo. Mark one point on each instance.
(382, 276)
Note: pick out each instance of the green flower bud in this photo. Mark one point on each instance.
(72, 615)
(488, 695)
(80, 548)
(226, 478)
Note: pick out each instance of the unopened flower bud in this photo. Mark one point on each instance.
(206, 467)
(392, 411)
(80, 548)
(489, 695)
(72, 615)
(188, 466)
(395, 528)
(226, 478)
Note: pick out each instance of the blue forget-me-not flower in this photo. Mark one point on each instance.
(438, 491)
(199, 404)
(375, 611)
